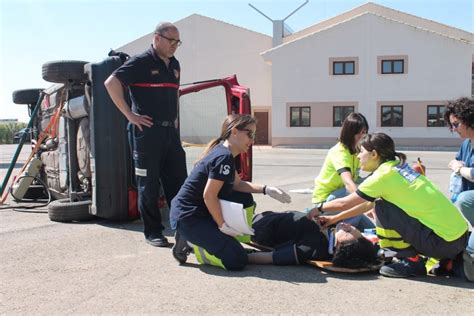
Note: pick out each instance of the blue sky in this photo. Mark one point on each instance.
(33, 32)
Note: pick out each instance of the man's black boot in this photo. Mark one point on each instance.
(157, 240)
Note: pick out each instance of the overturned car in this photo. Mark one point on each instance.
(80, 139)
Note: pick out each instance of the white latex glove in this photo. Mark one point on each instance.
(226, 229)
(278, 194)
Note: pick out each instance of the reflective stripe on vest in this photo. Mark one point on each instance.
(387, 233)
(249, 212)
(155, 85)
(389, 238)
(393, 244)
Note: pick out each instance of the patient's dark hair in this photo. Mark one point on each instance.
(360, 254)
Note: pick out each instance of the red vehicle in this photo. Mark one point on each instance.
(83, 140)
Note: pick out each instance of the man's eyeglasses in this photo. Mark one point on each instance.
(251, 134)
(172, 40)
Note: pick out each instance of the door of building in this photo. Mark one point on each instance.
(262, 128)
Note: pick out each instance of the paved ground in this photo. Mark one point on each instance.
(107, 268)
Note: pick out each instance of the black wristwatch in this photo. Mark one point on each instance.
(319, 206)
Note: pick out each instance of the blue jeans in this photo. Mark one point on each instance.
(470, 243)
(465, 203)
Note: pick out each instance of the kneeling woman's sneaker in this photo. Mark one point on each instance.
(404, 268)
(180, 250)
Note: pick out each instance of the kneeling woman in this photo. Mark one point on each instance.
(195, 211)
(412, 216)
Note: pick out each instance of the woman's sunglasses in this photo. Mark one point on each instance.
(251, 134)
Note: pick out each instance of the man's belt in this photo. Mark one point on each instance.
(164, 123)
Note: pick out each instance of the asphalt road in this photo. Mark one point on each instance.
(102, 267)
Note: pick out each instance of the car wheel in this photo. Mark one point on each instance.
(63, 71)
(27, 96)
(65, 211)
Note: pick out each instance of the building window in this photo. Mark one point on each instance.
(395, 66)
(339, 114)
(343, 68)
(300, 116)
(435, 116)
(392, 115)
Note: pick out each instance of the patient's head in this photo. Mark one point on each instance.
(346, 233)
(352, 249)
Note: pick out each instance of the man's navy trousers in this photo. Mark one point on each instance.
(157, 154)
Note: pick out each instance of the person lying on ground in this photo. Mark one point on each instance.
(290, 238)
(294, 239)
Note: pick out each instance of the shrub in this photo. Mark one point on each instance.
(8, 130)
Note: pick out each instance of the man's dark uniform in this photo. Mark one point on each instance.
(157, 151)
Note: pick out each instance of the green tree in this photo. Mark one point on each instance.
(7, 131)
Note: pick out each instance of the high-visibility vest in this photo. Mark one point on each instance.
(249, 212)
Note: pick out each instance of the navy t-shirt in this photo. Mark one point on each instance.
(219, 165)
(466, 154)
(153, 86)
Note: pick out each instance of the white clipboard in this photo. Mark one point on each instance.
(235, 217)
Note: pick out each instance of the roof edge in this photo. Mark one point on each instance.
(373, 8)
(358, 16)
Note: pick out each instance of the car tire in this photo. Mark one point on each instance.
(64, 71)
(26, 96)
(65, 211)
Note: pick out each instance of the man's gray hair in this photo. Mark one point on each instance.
(162, 27)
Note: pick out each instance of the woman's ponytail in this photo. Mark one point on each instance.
(401, 156)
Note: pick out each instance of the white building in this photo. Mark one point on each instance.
(395, 68)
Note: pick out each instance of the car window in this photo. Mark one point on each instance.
(201, 115)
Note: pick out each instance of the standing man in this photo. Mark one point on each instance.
(152, 79)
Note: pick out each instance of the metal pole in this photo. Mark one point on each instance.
(260, 12)
(20, 145)
(295, 10)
